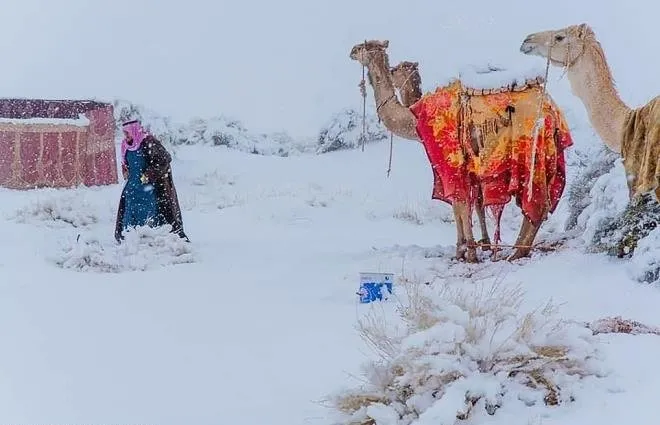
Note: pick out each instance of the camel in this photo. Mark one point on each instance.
(633, 133)
(408, 82)
(403, 120)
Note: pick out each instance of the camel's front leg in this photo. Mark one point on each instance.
(481, 215)
(465, 246)
(525, 239)
(460, 237)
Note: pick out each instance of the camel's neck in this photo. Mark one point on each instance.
(396, 117)
(592, 82)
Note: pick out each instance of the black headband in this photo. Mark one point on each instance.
(129, 122)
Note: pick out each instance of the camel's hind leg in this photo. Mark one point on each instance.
(525, 239)
(465, 245)
(481, 215)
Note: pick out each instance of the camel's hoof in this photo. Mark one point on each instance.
(518, 254)
(485, 244)
(461, 250)
(471, 256)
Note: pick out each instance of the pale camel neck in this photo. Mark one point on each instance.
(591, 81)
(396, 117)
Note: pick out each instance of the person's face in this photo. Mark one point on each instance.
(127, 136)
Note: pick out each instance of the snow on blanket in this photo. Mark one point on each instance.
(489, 76)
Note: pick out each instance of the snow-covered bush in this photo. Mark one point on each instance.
(579, 192)
(459, 352)
(143, 248)
(220, 131)
(619, 236)
(645, 260)
(58, 211)
(161, 127)
(607, 199)
(344, 131)
(215, 131)
(599, 205)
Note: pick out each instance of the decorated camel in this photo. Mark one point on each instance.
(634, 133)
(407, 80)
(480, 143)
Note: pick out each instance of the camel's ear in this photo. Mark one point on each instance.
(583, 30)
(386, 43)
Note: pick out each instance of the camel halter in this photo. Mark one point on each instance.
(389, 164)
(567, 65)
(363, 92)
(539, 122)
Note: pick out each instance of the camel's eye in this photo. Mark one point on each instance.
(559, 37)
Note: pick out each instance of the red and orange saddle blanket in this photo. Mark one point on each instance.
(484, 138)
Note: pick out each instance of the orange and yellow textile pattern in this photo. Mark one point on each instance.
(486, 140)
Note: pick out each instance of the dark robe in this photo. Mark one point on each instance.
(159, 173)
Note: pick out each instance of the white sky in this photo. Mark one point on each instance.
(283, 65)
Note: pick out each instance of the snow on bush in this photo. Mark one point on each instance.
(58, 211)
(461, 352)
(343, 131)
(161, 127)
(611, 222)
(220, 131)
(608, 198)
(579, 194)
(215, 131)
(599, 206)
(645, 262)
(142, 249)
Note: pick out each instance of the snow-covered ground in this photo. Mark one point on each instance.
(254, 322)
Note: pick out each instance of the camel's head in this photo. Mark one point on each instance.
(403, 72)
(364, 52)
(565, 45)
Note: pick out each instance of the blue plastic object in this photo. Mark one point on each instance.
(371, 286)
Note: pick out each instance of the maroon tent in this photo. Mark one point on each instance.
(56, 143)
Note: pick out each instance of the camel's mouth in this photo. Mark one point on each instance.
(527, 48)
(354, 52)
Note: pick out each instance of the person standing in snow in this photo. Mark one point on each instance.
(149, 196)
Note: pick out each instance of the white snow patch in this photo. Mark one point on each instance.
(142, 249)
(489, 76)
(58, 211)
(81, 121)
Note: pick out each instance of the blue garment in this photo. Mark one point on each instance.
(141, 207)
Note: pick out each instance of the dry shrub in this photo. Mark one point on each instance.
(454, 351)
(620, 325)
